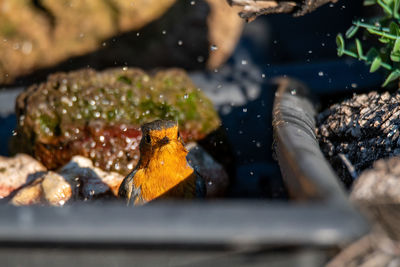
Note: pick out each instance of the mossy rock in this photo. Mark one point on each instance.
(98, 115)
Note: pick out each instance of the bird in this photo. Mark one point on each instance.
(162, 171)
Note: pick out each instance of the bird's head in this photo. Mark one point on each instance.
(160, 137)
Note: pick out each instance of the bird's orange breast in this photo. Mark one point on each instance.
(167, 175)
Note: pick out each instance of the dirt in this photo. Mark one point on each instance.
(358, 131)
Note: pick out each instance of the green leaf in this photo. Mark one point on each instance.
(372, 54)
(396, 6)
(394, 29)
(396, 46)
(384, 40)
(359, 48)
(376, 63)
(351, 31)
(340, 44)
(369, 2)
(391, 77)
(385, 7)
(395, 57)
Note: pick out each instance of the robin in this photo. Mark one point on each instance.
(162, 170)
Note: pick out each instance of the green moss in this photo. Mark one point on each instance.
(124, 79)
(47, 124)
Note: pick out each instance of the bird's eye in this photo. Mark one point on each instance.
(147, 139)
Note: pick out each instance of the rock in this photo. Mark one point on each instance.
(88, 181)
(41, 33)
(29, 195)
(216, 179)
(381, 184)
(360, 130)
(225, 28)
(377, 193)
(56, 189)
(18, 171)
(98, 115)
(254, 8)
(50, 188)
(78, 180)
(67, 35)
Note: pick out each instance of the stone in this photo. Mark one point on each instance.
(18, 171)
(216, 178)
(98, 115)
(89, 182)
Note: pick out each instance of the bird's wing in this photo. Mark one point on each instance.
(126, 188)
(201, 189)
(129, 192)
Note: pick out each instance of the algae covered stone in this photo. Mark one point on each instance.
(98, 115)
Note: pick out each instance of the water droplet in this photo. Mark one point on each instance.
(117, 166)
(27, 48)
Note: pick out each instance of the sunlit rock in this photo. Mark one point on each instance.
(98, 115)
(18, 171)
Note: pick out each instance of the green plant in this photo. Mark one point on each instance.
(386, 30)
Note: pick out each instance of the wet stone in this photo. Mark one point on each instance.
(18, 171)
(364, 128)
(98, 115)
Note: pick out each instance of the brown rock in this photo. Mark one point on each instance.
(251, 9)
(29, 195)
(18, 171)
(225, 28)
(98, 115)
(381, 184)
(56, 190)
(49, 34)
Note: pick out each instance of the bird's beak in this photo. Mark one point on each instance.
(164, 141)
